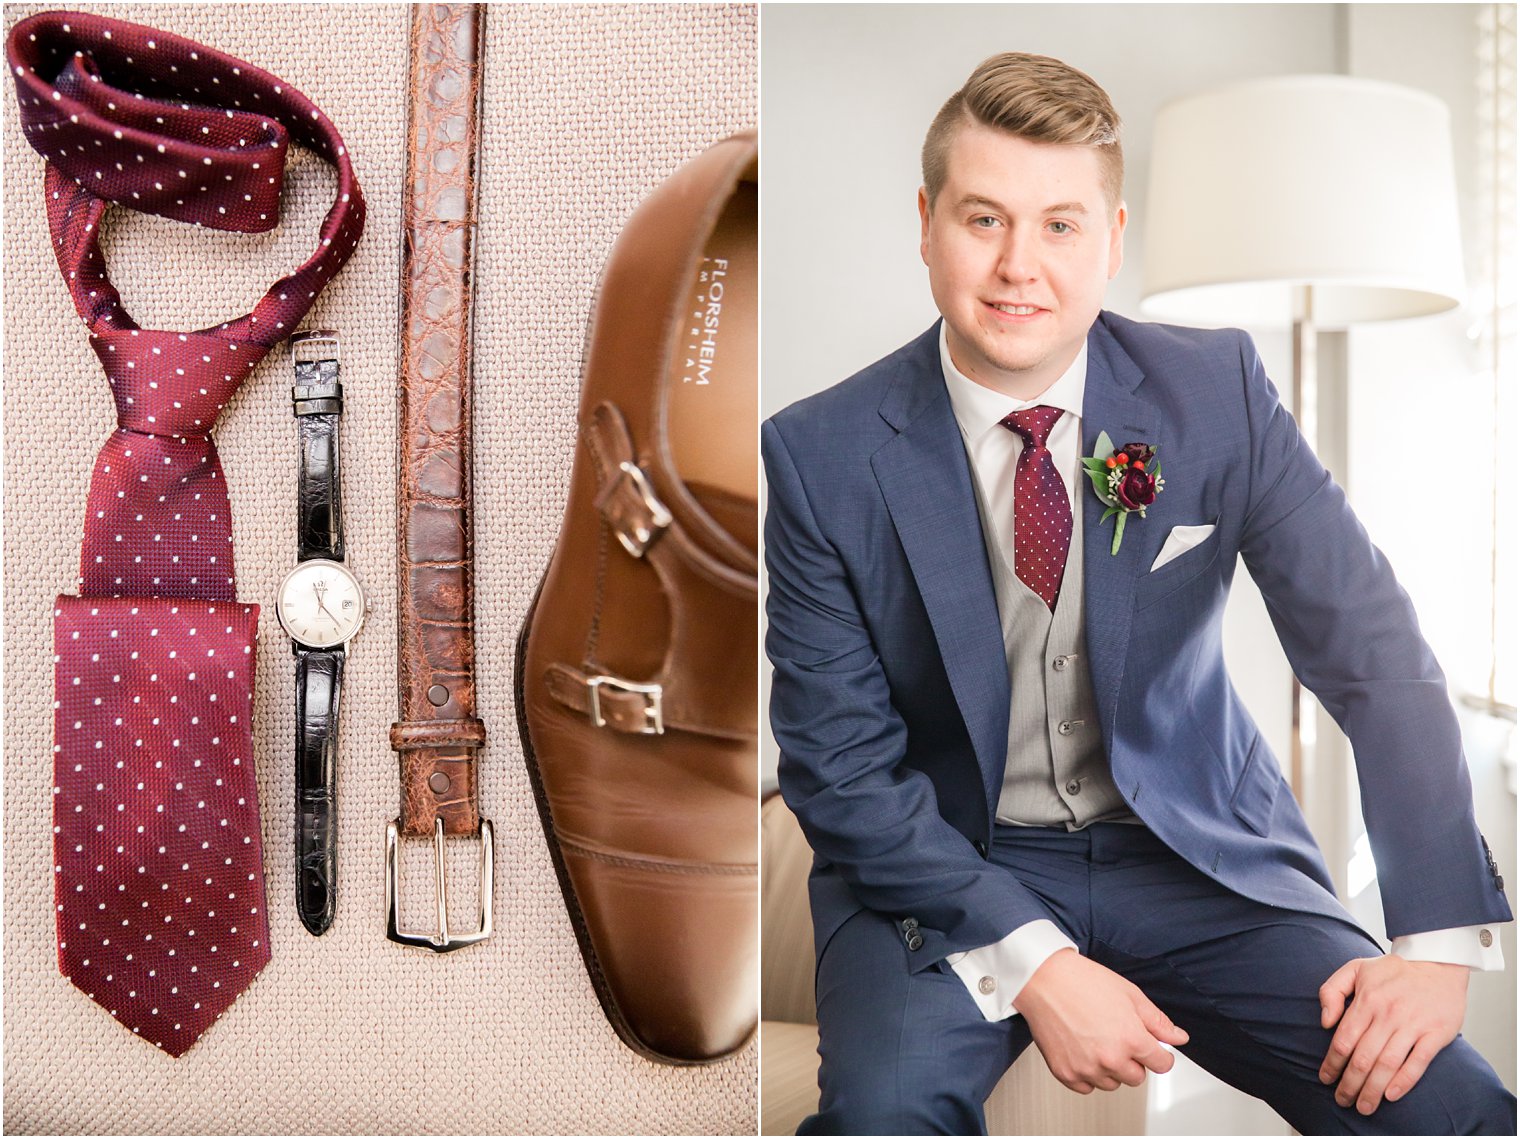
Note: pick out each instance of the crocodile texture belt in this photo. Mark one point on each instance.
(438, 737)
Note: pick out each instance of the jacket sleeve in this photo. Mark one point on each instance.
(1351, 635)
(872, 818)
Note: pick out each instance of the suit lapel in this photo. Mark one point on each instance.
(1110, 403)
(925, 479)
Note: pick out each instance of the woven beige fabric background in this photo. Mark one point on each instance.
(587, 109)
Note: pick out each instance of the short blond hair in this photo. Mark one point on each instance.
(1034, 97)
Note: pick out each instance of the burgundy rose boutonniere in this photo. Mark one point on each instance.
(1127, 480)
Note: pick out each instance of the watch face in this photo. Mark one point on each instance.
(320, 604)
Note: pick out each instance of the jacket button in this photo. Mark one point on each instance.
(915, 941)
(1059, 664)
(1073, 786)
(980, 847)
(1485, 938)
(1064, 727)
(909, 924)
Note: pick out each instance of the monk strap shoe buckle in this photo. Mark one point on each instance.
(638, 523)
(654, 709)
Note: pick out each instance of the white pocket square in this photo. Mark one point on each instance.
(1180, 541)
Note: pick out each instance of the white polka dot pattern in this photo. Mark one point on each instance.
(124, 113)
(157, 853)
(1041, 510)
(158, 522)
(159, 884)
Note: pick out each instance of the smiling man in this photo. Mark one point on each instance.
(1039, 811)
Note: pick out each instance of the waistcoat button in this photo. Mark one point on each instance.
(1073, 786)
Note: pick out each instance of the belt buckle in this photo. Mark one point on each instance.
(440, 941)
(654, 711)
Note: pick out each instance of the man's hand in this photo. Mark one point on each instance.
(1404, 1013)
(1094, 1028)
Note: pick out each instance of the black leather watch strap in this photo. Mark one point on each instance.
(319, 676)
(318, 403)
(318, 399)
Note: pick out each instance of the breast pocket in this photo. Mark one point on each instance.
(1179, 572)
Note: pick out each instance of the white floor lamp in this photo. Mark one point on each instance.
(1320, 200)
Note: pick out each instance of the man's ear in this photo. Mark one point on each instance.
(923, 224)
(1116, 241)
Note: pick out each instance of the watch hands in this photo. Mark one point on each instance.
(319, 589)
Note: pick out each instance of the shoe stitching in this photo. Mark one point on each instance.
(663, 866)
(599, 590)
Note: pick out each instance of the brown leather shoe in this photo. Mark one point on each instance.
(636, 667)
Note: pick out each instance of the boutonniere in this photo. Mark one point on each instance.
(1127, 480)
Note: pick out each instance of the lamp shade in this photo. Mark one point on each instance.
(1264, 186)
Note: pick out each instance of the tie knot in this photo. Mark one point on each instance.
(172, 383)
(1033, 424)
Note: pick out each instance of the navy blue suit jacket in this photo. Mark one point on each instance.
(890, 699)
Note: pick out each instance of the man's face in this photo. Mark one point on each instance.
(1020, 246)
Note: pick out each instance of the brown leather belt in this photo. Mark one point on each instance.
(438, 737)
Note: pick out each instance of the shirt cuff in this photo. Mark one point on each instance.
(995, 974)
(1476, 946)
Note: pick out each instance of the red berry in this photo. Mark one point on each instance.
(1112, 462)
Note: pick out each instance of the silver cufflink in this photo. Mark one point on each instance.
(987, 985)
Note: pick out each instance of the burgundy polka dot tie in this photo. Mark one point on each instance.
(1041, 508)
(158, 860)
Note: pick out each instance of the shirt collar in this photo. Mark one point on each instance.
(979, 409)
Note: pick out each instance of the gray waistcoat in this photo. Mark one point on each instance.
(1056, 773)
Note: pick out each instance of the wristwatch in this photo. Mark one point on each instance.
(320, 606)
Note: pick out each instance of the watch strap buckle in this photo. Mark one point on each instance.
(442, 940)
(313, 346)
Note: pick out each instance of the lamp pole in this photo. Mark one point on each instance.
(1305, 411)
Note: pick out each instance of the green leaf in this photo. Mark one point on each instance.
(1100, 484)
(1096, 465)
(1109, 513)
(1104, 446)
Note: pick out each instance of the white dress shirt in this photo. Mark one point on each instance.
(995, 974)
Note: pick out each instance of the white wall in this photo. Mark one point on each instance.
(846, 96)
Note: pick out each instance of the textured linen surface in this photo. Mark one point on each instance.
(587, 109)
